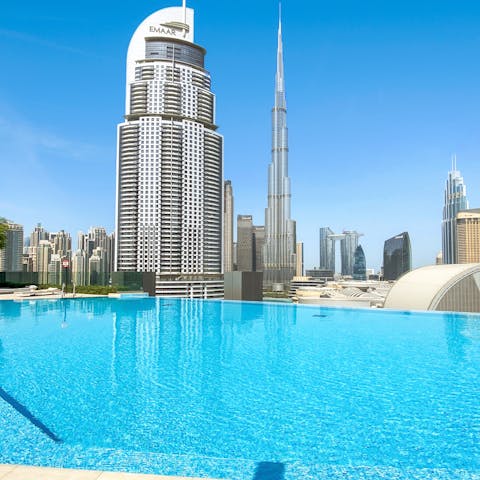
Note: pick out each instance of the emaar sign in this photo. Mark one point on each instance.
(171, 29)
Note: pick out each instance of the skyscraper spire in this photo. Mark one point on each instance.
(280, 79)
(280, 236)
(455, 201)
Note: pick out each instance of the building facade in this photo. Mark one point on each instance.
(258, 246)
(348, 247)
(170, 162)
(228, 208)
(455, 201)
(11, 257)
(327, 249)
(397, 256)
(299, 268)
(245, 250)
(359, 264)
(468, 236)
(280, 230)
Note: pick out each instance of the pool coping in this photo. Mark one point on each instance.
(25, 472)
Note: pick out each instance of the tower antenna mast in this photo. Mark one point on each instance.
(185, 11)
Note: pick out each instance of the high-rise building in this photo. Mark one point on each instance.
(228, 227)
(11, 257)
(280, 230)
(299, 269)
(258, 245)
(455, 201)
(359, 264)
(97, 267)
(327, 249)
(79, 268)
(245, 250)
(397, 256)
(468, 236)
(348, 246)
(62, 243)
(38, 235)
(43, 254)
(170, 161)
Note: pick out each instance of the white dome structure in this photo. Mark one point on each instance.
(448, 288)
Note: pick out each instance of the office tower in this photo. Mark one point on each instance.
(468, 236)
(348, 246)
(258, 246)
(280, 229)
(11, 256)
(245, 249)
(79, 268)
(170, 161)
(327, 249)
(397, 256)
(455, 201)
(359, 264)
(228, 227)
(299, 257)
(43, 253)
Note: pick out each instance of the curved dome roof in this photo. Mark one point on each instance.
(426, 287)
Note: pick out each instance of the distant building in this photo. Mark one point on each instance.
(299, 269)
(280, 230)
(228, 208)
(11, 257)
(79, 268)
(320, 273)
(439, 259)
(43, 254)
(397, 256)
(455, 201)
(258, 243)
(245, 252)
(327, 249)
(348, 247)
(61, 243)
(55, 270)
(97, 267)
(359, 264)
(468, 236)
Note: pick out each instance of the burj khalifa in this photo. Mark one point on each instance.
(280, 229)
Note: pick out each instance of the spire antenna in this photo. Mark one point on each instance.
(185, 11)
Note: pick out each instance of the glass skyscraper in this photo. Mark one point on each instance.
(455, 201)
(359, 264)
(327, 249)
(348, 246)
(280, 229)
(397, 256)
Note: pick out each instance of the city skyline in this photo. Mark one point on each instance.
(357, 134)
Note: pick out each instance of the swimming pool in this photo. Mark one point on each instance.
(239, 390)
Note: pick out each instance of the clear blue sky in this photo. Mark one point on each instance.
(380, 94)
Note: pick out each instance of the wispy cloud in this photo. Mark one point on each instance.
(35, 144)
(25, 37)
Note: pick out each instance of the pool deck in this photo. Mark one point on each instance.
(54, 296)
(21, 472)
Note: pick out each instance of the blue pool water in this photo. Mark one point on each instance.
(245, 391)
